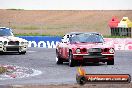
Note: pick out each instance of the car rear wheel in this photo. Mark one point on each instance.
(58, 59)
(110, 62)
(71, 60)
(96, 62)
(1, 52)
(22, 52)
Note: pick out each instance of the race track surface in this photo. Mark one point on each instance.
(44, 60)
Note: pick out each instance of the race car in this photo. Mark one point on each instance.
(84, 47)
(10, 43)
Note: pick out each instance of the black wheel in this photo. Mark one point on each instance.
(22, 52)
(81, 80)
(71, 60)
(110, 62)
(96, 62)
(58, 59)
(1, 53)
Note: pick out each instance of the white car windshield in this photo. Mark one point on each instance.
(5, 32)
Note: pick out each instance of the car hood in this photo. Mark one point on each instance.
(12, 38)
(91, 45)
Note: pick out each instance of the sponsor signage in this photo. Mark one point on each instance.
(103, 78)
(51, 42)
(83, 78)
(119, 43)
(42, 41)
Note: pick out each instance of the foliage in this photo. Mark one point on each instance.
(2, 70)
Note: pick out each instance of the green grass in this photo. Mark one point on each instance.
(2, 70)
(44, 27)
(55, 29)
(26, 27)
(109, 36)
(14, 9)
(47, 27)
(37, 34)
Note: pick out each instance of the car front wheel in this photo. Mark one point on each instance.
(1, 52)
(22, 52)
(71, 60)
(110, 62)
(58, 59)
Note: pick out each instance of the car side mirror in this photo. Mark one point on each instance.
(63, 40)
(68, 36)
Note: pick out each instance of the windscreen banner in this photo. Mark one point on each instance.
(52, 41)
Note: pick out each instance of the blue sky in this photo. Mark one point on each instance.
(67, 4)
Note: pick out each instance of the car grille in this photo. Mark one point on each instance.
(94, 53)
(13, 43)
(95, 50)
(12, 49)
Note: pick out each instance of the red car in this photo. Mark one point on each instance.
(84, 47)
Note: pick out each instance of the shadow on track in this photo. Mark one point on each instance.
(10, 53)
(85, 64)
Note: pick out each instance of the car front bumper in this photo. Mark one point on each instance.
(13, 48)
(92, 58)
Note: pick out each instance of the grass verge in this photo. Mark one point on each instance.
(38, 34)
(26, 27)
(2, 70)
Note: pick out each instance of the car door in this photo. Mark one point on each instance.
(64, 46)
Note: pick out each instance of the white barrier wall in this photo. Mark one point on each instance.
(120, 43)
(51, 42)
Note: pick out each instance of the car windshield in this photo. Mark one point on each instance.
(5, 32)
(87, 38)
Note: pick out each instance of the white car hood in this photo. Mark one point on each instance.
(12, 38)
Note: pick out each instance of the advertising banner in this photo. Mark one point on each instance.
(42, 41)
(52, 41)
(120, 43)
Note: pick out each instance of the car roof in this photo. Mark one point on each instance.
(4, 28)
(75, 33)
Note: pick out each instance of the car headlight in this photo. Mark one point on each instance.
(1, 43)
(111, 50)
(26, 43)
(78, 50)
(22, 43)
(5, 42)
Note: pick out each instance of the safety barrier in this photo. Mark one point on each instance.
(51, 42)
(42, 41)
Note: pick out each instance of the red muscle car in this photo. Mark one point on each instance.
(84, 47)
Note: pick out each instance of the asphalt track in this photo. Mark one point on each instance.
(43, 59)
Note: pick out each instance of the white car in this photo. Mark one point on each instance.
(10, 43)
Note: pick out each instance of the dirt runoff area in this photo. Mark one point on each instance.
(72, 86)
(59, 22)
